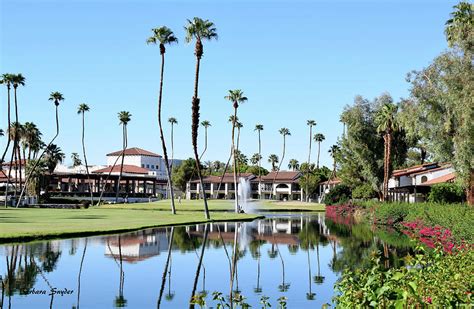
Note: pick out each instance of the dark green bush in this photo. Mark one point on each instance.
(338, 195)
(446, 193)
(364, 191)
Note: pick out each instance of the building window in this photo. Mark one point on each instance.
(424, 179)
(143, 165)
(147, 166)
(152, 166)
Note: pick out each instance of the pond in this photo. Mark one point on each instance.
(296, 255)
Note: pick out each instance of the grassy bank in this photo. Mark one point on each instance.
(33, 223)
(221, 205)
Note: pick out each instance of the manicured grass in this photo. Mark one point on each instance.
(221, 205)
(35, 223)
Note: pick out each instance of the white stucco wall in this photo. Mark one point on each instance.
(435, 174)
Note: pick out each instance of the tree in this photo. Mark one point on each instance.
(81, 110)
(57, 98)
(334, 152)
(273, 159)
(294, 165)
(259, 129)
(318, 138)
(459, 28)
(183, 173)
(76, 160)
(7, 80)
(17, 80)
(124, 119)
(199, 30)
(255, 159)
(386, 123)
(236, 97)
(53, 156)
(206, 124)
(14, 133)
(31, 140)
(311, 124)
(172, 121)
(284, 133)
(164, 36)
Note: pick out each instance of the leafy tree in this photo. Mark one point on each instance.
(338, 195)
(76, 160)
(199, 30)
(164, 36)
(183, 173)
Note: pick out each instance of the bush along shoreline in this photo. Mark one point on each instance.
(440, 271)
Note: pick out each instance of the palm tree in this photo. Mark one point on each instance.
(76, 160)
(57, 98)
(259, 129)
(333, 151)
(124, 119)
(201, 257)
(294, 165)
(81, 110)
(53, 156)
(255, 159)
(172, 121)
(387, 123)
(199, 30)
(273, 159)
(310, 123)
(167, 264)
(206, 124)
(7, 79)
(31, 139)
(17, 80)
(14, 133)
(284, 133)
(239, 125)
(318, 138)
(236, 97)
(163, 36)
(1, 132)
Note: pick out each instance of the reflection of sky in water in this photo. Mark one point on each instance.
(144, 255)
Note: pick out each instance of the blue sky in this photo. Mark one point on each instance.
(295, 60)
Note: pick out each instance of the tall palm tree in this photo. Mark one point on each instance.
(31, 139)
(284, 133)
(333, 151)
(172, 121)
(81, 110)
(236, 97)
(57, 98)
(294, 165)
(255, 159)
(206, 124)
(387, 123)
(76, 160)
(238, 125)
(318, 138)
(259, 129)
(167, 264)
(164, 36)
(124, 119)
(199, 30)
(14, 134)
(7, 80)
(17, 80)
(232, 120)
(273, 159)
(311, 124)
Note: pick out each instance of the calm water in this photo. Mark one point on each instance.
(299, 256)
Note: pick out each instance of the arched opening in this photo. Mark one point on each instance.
(424, 179)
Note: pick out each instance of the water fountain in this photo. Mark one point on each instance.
(244, 195)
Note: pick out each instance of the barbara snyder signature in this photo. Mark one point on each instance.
(51, 292)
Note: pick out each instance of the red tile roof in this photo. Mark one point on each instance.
(332, 182)
(15, 163)
(282, 176)
(433, 169)
(414, 169)
(442, 179)
(135, 151)
(127, 169)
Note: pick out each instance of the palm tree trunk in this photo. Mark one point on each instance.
(9, 124)
(281, 161)
(163, 144)
(163, 279)
(198, 270)
(236, 208)
(107, 178)
(195, 127)
(309, 161)
(205, 143)
(117, 192)
(223, 174)
(39, 158)
(259, 165)
(172, 146)
(389, 155)
(79, 276)
(85, 158)
(12, 157)
(319, 152)
(233, 264)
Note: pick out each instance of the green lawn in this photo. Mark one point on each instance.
(36, 223)
(221, 205)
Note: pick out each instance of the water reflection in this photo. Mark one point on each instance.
(299, 256)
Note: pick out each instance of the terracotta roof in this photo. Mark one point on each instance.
(331, 182)
(442, 179)
(433, 169)
(282, 176)
(127, 169)
(228, 177)
(414, 169)
(135, 151)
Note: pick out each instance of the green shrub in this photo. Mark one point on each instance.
(338, 195)
(446, 193)
(364, 191)
(430, 279)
